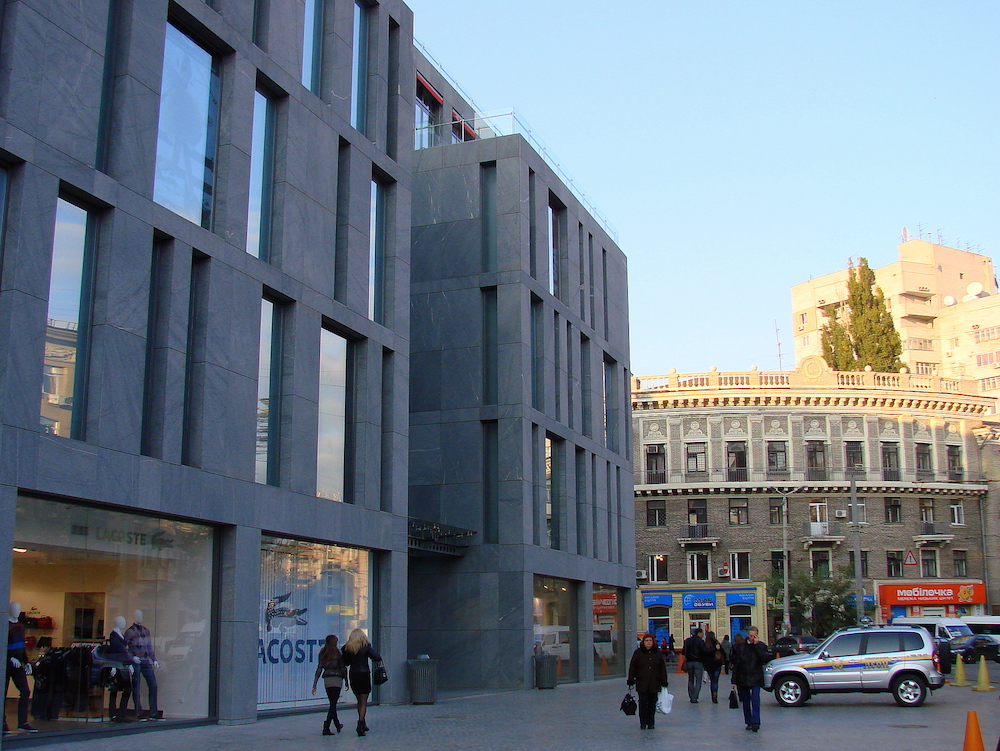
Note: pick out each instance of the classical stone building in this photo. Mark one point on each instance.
(718, 454)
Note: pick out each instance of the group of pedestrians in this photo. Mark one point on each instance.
(335, 665)
(703, 654)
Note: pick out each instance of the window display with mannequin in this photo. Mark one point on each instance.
(117, 652)
(140, 645)
(18, 668)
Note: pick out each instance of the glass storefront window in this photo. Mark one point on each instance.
(609, 650)
(555, 623)
(75, 571)
(308, 590)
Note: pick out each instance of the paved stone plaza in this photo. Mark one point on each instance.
(585, 717)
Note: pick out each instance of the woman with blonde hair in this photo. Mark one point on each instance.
(330, 666)
(357, 652)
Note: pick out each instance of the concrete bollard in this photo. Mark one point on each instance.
(983, 679)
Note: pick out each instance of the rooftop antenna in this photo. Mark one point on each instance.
(778, 340)
(920, 230)
(940, 238)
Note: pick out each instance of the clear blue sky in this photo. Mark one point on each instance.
(742, 147)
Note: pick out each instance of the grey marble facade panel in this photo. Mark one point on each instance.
(31, 216)
(228, 432)
(316, 176)
(425, 455)
(281, 25)
(115, 394)
(445, 195)
(132, 153)
(425, 381)
(463, 374)
(230, 324)
(21, 369)
(425, 500)
(308, 232)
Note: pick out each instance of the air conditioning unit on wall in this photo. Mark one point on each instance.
(640, 573)
(840, 513)
(654, 448)
(723, 571)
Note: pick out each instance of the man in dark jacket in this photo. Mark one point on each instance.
(648, 673)
(748, 659)
(694, 663)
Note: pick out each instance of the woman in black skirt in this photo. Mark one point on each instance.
(357, 652)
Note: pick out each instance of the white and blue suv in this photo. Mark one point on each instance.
(890, 659)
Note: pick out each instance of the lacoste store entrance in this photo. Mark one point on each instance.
(80, 573)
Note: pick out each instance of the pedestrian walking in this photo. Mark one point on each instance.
(694, 663)
(748, 660)
(726, 648)
(356, 654)
(330, 667)
(715, 658)
(647, 671)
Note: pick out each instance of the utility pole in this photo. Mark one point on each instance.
(786, 625)
(859, 590)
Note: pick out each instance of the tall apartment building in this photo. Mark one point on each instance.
(718, 455)
(205, 295)
(939, 298)
(519, 407)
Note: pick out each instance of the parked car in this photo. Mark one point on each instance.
(890, 659)
(785, 646)
(972, 647)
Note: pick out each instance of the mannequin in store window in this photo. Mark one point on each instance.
(117, 651)
(140, 646)
(18, 669)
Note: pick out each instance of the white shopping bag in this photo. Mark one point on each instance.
(665, 702)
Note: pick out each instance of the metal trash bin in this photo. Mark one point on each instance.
(546, 668)
(422, 676)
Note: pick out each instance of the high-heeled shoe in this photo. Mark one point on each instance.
(338, 725)
(361, 728)
(366, 725)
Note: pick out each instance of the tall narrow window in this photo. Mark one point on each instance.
(376, 253)
(894, 563)
(928, 563)
(925, 462)
(890, 462)
(815, 460)
(553, 491)
(582, 499)
(893, 510)
(956, 472)
(359, 67)
(537, 355)
(312, 41)
(736, 461)
(557, 371)
(490, 345)
(3, 211)
(557, 237)
(261, 176)
(957, 512)
(695, 460)
(186, 134)
(611, 410)
(854, 460)
(194, 361)
(488, 212)
(268, 393)
(777, 459)
(427, 116)
(331, 444)
(68, 323)
(586, 388)
(961, 562)
(491, 482)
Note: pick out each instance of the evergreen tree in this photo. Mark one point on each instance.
(867, 336)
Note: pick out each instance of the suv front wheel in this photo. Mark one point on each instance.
(790, 691)
(909, 690)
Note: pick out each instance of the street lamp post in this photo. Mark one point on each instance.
(787, 615)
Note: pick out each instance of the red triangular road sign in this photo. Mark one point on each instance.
(911, 560)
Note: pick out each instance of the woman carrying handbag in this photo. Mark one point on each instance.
(357, 652)
(648, 673)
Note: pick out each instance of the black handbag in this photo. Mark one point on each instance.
(734, 702)
(629, 706)
(379, 675)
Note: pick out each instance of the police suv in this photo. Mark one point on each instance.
(896, 659)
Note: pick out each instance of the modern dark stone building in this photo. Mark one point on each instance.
(205, 367)
(519, 413)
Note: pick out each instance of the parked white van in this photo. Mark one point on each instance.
(983, 624)
(942, 629)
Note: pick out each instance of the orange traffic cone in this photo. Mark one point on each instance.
(680, 663)
(973, 736)
(559, 668)
(983, 679)
(960, 679)
(604, 666)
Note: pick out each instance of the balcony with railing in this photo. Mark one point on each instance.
(797, 476)
(817, 533)
(932, 532)
(698, 534)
